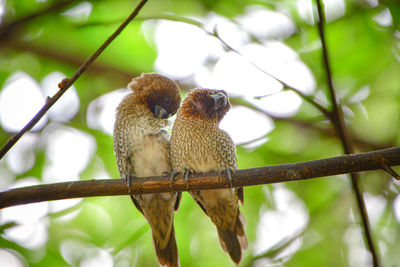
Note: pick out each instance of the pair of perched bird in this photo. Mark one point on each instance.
(143, 148)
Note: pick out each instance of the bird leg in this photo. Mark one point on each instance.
(228, 174)
(172, 176)
(188, 172)
(128, 179)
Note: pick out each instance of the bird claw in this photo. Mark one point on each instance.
(186, 174)
(128, 179)
(171, 177)
(228, 175)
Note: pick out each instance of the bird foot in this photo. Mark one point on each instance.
(128, 179)
(171, 177)
(188, 172)
(228, 174)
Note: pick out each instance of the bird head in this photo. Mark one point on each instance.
(158, 93)
(206, 104)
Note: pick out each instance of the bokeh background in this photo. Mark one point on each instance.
(310, 223)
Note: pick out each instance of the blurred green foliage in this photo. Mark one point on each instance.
(362, 52)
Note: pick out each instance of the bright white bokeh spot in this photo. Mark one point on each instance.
(237, 76)
(375, 206)
(305, 10)
(334, 9)
(283, 104)
(244, 124)
(21, 157)
(32, 236)
(361, 94)
(76, 253)
(2, 9)
(279, 60)
(80, 12)
(266, 24)
(64, 204)
(357, 253)
(182, 48)
(9, 259)
(7, 176)
(347, 112)
(396, 208)
(20, 99)
(68, 105)
(68, 151)
(384, 18)
(101, 258)
(73, 251)
(31, 231)
(288, 219)
(101, 111)
(203, 78)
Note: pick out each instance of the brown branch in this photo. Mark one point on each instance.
(66, 83)
(10, 27)
(264, 175)
(123, 77)
(339, 124)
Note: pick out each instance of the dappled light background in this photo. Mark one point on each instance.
(244, 48)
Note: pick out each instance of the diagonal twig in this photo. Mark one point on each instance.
(338, 123)
(66, 83)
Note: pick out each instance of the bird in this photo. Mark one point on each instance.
(198, 145)
(141, 146)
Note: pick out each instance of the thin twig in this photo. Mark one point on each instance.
(340, 127)
(390, 171)
(256, 176)
(66, 83)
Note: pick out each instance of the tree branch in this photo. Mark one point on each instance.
(10, 27)
(119, 74)
(66, 83)
(374, 160)
(339, 124)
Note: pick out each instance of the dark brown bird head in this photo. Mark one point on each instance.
(160, 94)
(206, 104)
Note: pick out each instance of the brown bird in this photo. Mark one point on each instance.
(141, 146)
(199, 146)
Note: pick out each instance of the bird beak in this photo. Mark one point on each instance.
(161, 113)
(220, 100)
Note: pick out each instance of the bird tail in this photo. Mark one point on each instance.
(168, 255)
(234, 241)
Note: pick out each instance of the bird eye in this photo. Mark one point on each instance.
(167, 101)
